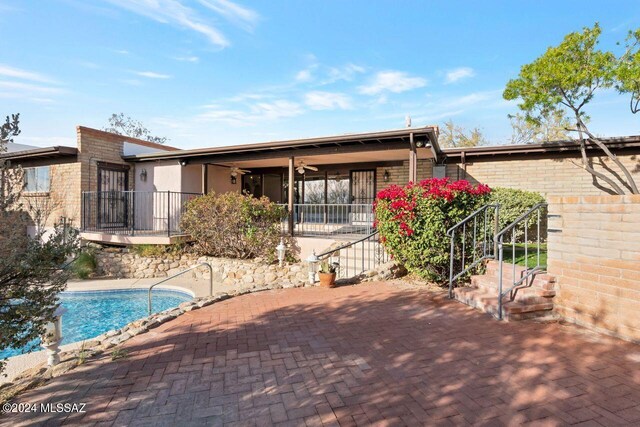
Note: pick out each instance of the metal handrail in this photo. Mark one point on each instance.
(344, 246)
(181, 273)
(376, 252)
(451, 233)
(528, 272)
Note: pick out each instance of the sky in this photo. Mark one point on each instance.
(218, 72)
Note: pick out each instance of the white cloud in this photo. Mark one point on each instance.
(347, 73)
(193, 59)
(303, 75)
(28, 87)
(19, 84)
(152, 75)
(254, 114)
(492, 96)
(459, 74)
(392, 81)
(11, 72)
(175, 13)
(240, 16)
(318, 100)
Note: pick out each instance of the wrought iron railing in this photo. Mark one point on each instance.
(519, 232)
(357, 257)
(330, 219)
(472, 242)
(134, 212)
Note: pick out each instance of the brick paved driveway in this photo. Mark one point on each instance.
(353, 356)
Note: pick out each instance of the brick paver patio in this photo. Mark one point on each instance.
(352, 356)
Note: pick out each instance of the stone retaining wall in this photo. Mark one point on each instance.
(122, 263)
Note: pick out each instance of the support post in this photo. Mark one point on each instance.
(413, 160)
(292, 178)
(205, 178)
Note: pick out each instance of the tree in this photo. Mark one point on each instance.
(452, 136)
(566, 78)
(125, 125)
(553, 127)
(30, 269)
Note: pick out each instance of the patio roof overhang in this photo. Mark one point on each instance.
(45, 153)
(384, 146)
(540, 150)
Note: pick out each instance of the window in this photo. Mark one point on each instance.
(36, 180)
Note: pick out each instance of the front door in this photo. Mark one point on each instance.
(113, 182)
(363, 193)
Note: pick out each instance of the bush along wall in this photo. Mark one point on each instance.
(234, 225)
(513, 203)
(413, 221)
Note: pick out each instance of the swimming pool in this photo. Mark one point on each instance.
(91, 313)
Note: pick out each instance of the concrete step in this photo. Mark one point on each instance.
(527, 308)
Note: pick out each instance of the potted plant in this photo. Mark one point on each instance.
(327, 274)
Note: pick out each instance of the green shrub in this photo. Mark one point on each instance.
(84, 265)
(148, 250)
(514, 203)
(233, 225)
(413, 221)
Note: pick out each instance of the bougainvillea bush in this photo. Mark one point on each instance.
(413, 221)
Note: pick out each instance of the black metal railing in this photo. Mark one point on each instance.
(134, 212)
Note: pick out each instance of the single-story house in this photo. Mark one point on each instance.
(123, 190)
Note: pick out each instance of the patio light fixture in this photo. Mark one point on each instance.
(143, 175)
(53, 336)
(281, 249)
(386, 176)
(183, 163)
(312, 260)
(233, 179)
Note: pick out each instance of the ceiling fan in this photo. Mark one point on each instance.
(235, 171)
(302, 166)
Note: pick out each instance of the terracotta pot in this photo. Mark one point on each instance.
(327, 280)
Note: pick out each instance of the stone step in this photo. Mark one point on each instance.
(527, 308)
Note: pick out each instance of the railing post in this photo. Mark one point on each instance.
(168, 213)
(496, 230)
(500, 257)
(453, 238)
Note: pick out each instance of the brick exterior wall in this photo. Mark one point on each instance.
(399, 175)
(555, 176)
(70, 178)
(595, 256)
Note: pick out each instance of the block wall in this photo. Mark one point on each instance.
(594, 252)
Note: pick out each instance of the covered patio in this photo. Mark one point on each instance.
(335, 179)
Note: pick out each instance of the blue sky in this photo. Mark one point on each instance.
(217, 72)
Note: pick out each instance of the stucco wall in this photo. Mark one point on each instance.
(594, 252)
(219, 180)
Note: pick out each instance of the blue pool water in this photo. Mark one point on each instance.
(90, 314)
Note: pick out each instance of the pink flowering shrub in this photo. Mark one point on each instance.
(413, 221)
